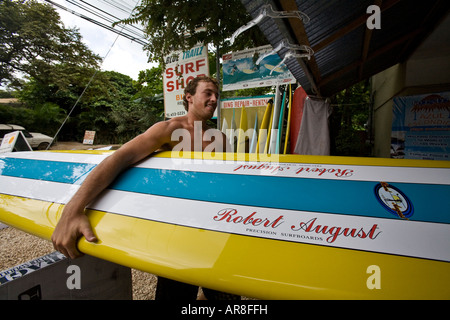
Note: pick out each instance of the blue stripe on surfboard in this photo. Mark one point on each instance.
(319, 195)
(54, 171)
(431, 202)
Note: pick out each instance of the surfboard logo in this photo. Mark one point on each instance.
(394, 200)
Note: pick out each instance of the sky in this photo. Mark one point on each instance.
(125, 56)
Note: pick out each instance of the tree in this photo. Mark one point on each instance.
(34, 43)
(145, 108)
(179, 25)
(349, 120)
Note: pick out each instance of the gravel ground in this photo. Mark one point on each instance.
(17, 247)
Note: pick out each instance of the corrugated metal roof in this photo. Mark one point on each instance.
(346, 51)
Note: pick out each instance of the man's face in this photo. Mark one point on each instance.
(204, 102)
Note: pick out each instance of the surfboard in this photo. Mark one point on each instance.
(263, 130)
(288, 125)
(232, 136)
(275, 117)
(269, 132)
(242, 130)
(254, 139)
(296, 116)
(361, 228)
(274, 68)
(224, 127)
(281, 122)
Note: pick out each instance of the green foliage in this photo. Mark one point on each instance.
(349, 121)
(179, 25)
(35, 44)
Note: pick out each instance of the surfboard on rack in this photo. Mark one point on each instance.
(254, 139)
(361, 228)
(269, 132)
(296, 116)
(288, 125)
(281, 122)
(242, 129)
(274, 123)
(224, 127)
(263, 130)
(232, 136)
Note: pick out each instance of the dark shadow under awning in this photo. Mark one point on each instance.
(346, 51)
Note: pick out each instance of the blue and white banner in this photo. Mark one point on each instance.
(240, 70)
(421, 127)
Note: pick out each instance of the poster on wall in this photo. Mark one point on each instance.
(182, 67)
(421, 127)
(240, 70)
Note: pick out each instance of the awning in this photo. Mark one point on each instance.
(346, 51)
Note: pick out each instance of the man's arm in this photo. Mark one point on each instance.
(73, 222)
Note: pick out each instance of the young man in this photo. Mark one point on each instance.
(200, 100)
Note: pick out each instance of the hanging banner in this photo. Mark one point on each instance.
(182, 67)
(240, 70)
(421, 127)
(258, 101)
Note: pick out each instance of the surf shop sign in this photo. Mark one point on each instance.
(182, 67)
(240, 70)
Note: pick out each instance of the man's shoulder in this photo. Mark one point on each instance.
(175, 123)
(171, 124)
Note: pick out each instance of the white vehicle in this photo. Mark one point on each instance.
(36, 140)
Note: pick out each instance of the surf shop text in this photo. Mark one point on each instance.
(312, 226)
(180, 75)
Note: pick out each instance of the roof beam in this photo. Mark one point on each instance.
(366, 43)
(350, 27)
(310, 68)
(373, 55)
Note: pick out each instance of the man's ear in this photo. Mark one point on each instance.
(188, 97)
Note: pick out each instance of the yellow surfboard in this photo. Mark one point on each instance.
(269, 132)
(262, 135)
(269, 227)
(288, 125)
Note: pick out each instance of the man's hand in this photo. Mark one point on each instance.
(68, 231)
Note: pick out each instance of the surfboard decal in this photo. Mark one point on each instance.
(394, 200)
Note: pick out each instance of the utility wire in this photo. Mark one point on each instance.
(103, 25)
(97, 12)
(85, 88)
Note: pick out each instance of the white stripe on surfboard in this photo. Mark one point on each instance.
(300, 170)
(409, 238)
(38, 189)
(58, 156)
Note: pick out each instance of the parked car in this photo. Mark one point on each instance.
(36, 140)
